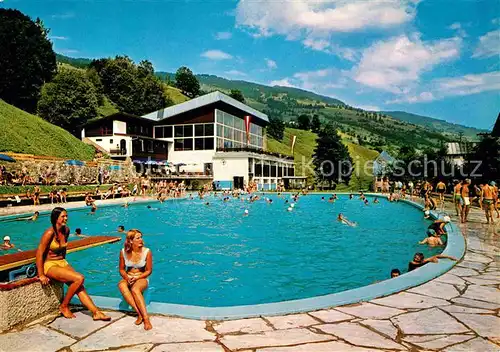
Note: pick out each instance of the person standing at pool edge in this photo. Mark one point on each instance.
(51, 264)
(136, 265)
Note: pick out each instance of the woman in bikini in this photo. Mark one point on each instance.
(136, 264)
(52, 265)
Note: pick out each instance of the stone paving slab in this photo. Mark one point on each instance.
(476, 304)
(247, 326)
(436, 289)
(483, 293)
(334, 346)
(83, 324)
(471, 265)
(138, 348)
(359, 336)
(428, 321)
(478, 344)
(331, 316)
(189, 347)
(437, 341)
(273, 338)
(125, 333)
(407, 300)
(292, 321)
(450, 279)
(483, 325)
(370, 311)
(460, 309)
(35, 339)
(385, 327)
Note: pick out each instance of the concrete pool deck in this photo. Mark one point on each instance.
(458, 311)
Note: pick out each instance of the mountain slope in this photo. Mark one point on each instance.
(304, 149)
(438, 125)
(21, 132)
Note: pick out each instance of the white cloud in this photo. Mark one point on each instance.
(63, 16)
(319, 81)
(216, 55)
(325, 46)
(469, 84)
(67, 51)
(271, 64)
(396, 64)
(223, 35)
(422, 97)
(489, 45)
(282, 82)
(368, 107)
(290, 18)
(453, 86)
(459, 29)
(236, 73)
(319, 44)
(55, 37)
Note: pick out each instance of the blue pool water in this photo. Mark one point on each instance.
(214, 256)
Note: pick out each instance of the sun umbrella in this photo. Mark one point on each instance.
(74, 163)
(4, 157)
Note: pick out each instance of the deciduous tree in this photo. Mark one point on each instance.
(187, 82)
(238, 95)
(276, 128)
(69, 100)
(331, 158)
(27, 60)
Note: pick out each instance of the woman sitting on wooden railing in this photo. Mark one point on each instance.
(52, 265)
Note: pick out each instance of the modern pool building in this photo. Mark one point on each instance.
(212, 137)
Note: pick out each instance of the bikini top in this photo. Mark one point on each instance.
(56, 247)
(139, 265)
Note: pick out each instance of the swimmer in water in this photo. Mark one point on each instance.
(345, 221)
(432, 239)
(322, 198)
(376, 201)
(207, 203)
(351, 196)
(151, 208)
(366, 201)
(245, 213)
(125, 205)
(93, 209)
(34, 217)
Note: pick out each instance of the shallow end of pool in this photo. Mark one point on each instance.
(455, 247)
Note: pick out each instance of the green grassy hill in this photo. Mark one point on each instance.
(304, 149)
(435, 124)
(21, 132)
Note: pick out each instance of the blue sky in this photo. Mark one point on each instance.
(438, 58)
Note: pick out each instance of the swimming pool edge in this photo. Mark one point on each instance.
(455, 247)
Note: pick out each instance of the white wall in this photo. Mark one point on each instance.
(105, 142)
(189, 157)
(119, 127)
(226, 169)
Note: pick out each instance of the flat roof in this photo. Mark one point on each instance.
(204, 100)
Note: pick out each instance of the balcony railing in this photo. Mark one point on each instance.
(118, 151)
(254, 150)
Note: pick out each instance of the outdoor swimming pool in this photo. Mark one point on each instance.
(213, 256)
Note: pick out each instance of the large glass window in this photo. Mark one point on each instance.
(232, 128)
(179, 131)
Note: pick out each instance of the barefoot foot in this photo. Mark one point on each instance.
(98, 315)
(138, 321)
(66, 312)
(147, 325)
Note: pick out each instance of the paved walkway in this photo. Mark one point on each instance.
(459, 311)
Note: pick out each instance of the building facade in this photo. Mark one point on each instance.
(211, 135)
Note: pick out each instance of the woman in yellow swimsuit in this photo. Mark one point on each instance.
(51, 264)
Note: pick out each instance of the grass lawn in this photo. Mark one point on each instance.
(47, 189)
(21, 132)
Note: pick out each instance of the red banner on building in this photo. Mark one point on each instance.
(247, 128)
